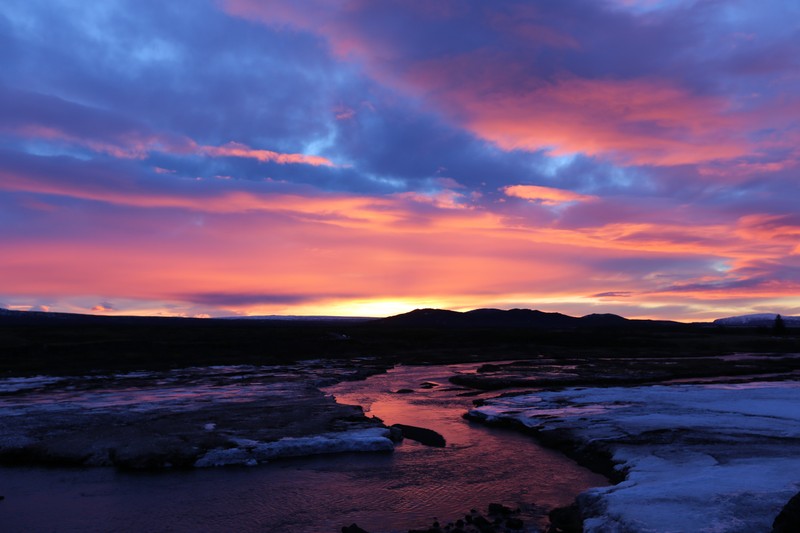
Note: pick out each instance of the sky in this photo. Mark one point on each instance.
(366, 158)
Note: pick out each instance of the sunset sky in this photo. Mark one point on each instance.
(365, 157)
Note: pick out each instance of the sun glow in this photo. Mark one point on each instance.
(368, 308)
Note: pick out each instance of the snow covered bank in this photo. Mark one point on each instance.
(182, 418)
(721, 458)
(250, 452)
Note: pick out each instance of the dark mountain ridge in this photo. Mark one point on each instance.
(499, 318)
(8, 316)
(418, 318)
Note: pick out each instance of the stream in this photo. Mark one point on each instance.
(380, 492)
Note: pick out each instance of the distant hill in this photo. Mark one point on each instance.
(303, 318)
(419, 318)
(498, 318)
(8, 316)
(758, 320)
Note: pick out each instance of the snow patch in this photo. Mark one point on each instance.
(705, 458)
(757, 319)
(250, 452)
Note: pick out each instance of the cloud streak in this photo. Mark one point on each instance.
(545, 195)
(46, 118)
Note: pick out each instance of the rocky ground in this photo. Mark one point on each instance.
(497, 519)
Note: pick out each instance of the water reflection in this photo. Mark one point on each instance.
(379, 492)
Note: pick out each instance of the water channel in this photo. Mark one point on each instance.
(380, 492)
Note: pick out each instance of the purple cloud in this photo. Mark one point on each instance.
(640, 148)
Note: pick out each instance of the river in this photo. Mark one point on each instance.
(380, 492)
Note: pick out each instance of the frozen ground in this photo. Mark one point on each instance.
(708, 458)
(185, 417)
(251, 452)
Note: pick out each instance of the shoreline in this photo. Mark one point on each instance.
(652, 440)
(423, 388)
(185, 418)
(599, 455)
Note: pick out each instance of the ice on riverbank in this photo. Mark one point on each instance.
(250, 452)
(721, 458)
(176, 418)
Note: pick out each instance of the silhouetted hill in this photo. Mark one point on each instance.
(518, 318)
(419, 318)
(31, 318)
(498, 318)
(607, 319)
(8, 316)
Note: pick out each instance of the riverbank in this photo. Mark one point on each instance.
(719, 457)
(381, 492)
(193, 417)
(253, 414)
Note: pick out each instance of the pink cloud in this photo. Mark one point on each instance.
(631, 121)
(780, 233)
(342, 112)
(50, 118)
(234, 149)
(640, 120)
(397, 247)
(546, 195)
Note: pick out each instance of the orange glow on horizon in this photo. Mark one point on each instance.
(374, 256)
(365, 158)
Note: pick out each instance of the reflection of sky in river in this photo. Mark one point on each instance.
(380, 492)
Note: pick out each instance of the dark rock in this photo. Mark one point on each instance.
(500, 519)
(482, 524)
(425, 436)
(788, 520)
(499, 509)
(404, 391)
(428, 385)
(514, 523)
(353, 528)
(565, 520)
(396, 435)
